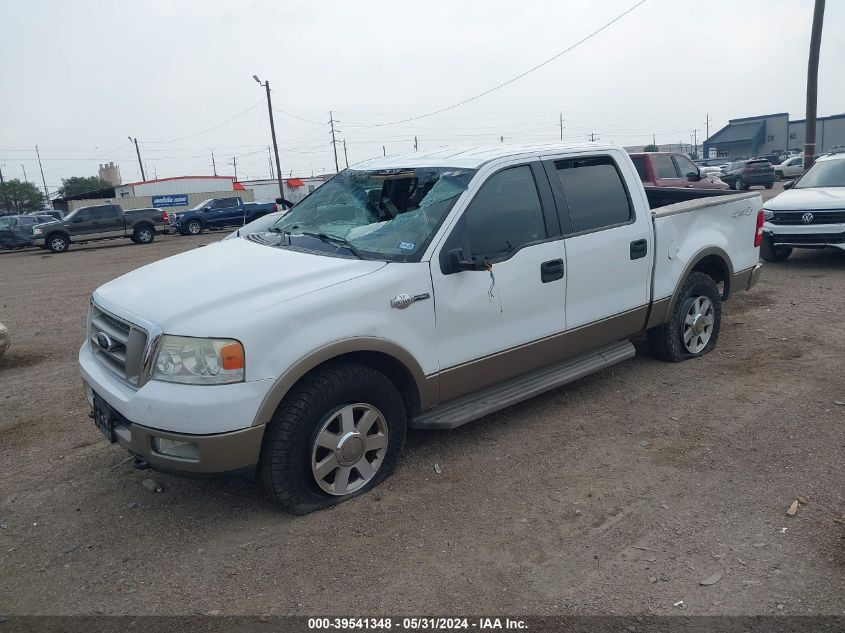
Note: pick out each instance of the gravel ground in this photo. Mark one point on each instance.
(617, 494)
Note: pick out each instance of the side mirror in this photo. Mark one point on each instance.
(789, 184)
(457, 263)
(694, 176)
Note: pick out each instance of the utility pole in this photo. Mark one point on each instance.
(345, 155)
(213, 164)
(43, 180)
(334, 142)
(270, 160)
(561, 126)
(813, 85)
(5, 193)
(234, 163)
(155, 172)
(384, 150)
(266, 85)
(416, 146)
(707, 123)
(138, 152)
(695, 142)
(24, 173)
(502, 139)
(592, 136)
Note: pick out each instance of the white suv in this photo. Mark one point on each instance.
(810, 214)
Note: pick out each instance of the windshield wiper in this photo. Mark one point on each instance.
(324, 237)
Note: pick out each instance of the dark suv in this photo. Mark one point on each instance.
(743, 174)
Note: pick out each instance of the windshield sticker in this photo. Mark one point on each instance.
(407, 246)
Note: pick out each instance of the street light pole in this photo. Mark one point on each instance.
(810, 150)
(138, 152)
(266, 85)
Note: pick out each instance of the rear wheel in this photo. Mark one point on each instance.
(194, 227)
(694, 327)
(58, 243)
(772, 253)
(338, 433)
(143, 235)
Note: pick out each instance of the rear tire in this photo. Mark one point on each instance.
(771, 253)
(143, 235)
(332, 406)
(694, 327)
(58, 243)
(194, 227)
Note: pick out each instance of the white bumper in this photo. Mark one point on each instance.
(807, 234)
(193, 409)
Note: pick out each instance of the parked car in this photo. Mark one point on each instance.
(101, 222)
(16, 231)
(469, 281)
(5, 339)
(743, 174)
(672, 169)
(810, 213)
(55, 214)
(790, 168)
(218, 213)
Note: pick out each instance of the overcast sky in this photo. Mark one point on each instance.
(80, 76)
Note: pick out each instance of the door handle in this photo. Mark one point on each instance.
(551, 270)
(639, 249)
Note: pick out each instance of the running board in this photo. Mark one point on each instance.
(477, 405)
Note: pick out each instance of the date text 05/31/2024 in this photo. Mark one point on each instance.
(417, 624)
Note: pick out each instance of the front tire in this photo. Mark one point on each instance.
(143, 235)
(338, 433)
(194, 227)
(694, 327)
(770, 185)
(771, 253)
(58, 243)
(778, 176)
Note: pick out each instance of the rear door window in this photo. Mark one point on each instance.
(105, 213)
(595, 193)
(663, 167)
(505, 214)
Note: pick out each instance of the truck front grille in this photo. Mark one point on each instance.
(117, 344)
(819, 217)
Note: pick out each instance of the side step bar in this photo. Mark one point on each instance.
(474, 406)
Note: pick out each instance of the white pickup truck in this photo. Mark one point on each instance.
(419, 291)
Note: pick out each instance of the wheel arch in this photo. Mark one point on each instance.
(712, 261)
(418, 391)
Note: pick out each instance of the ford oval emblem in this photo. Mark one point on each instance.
(104, 341)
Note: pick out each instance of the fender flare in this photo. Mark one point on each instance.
(426, 387)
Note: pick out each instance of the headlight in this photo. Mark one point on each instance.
(37, 231)
(199, 361)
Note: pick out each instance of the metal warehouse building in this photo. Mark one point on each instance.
(772, 133)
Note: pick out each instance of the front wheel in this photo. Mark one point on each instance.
(772, 253)
(194, 227)
(778, 176)
(338, 433)
(58, 243)
(694, 327)
(770, 185)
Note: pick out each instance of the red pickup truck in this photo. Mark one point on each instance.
(672, 169)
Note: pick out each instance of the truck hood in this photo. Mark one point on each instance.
(808, 199)
(222, 283)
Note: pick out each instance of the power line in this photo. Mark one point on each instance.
(513, 79)
(301, 118)
(182, 138)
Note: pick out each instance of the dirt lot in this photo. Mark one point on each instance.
(617, 494)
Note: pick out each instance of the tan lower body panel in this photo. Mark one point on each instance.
(744, 279)
(478, 374)
(216, 454)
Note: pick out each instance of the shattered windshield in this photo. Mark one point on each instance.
(383, 214)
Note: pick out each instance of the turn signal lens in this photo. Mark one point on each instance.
(232, 356)
(758, 234)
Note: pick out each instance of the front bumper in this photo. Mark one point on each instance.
(216, 421)
(38, 241)
(810, 235)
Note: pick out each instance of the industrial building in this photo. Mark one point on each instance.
(295, 189)
(772, 133)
